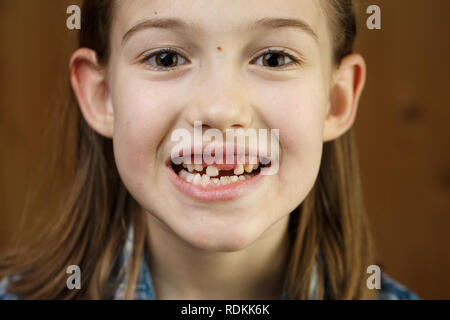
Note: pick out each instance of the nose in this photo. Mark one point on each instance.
(220, 98)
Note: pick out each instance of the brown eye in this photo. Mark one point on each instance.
(164, 60)
(273, 60)
(276, 59)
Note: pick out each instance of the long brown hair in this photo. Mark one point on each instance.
(329, 229)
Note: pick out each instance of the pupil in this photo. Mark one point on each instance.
(167, 59)
(272, 60)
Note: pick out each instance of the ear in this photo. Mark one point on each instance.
(348, 83)
(89, 84)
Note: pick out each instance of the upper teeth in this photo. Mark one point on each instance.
(212, 171)
(240, 173)
(248, 168)
(239, 169)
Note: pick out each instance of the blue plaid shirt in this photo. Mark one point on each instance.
(390, 289)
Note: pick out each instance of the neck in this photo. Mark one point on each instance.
(181, 271)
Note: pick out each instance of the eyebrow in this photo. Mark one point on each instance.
(178, 24)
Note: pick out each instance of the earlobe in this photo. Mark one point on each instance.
(345, 92)
(89, 85)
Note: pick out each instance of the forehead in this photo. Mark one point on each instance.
(213, 17)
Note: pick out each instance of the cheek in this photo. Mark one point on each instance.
(142, 119)
(298, 111)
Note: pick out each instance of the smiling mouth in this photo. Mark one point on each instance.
(204, 175)
(211, 182)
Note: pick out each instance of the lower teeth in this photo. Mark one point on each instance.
(205, 180)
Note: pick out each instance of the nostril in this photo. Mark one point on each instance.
(205, 127)
(237, 126)
(234, 127)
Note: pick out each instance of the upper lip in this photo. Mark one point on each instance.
(241, 154)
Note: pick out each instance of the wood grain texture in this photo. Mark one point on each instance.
(403, 133)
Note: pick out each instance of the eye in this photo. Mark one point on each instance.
(277, 59)
(165, 59)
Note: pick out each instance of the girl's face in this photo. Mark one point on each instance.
(217, 73)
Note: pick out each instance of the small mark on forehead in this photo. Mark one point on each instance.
(219, 48)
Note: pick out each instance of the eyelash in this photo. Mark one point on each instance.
(295, 61)
(147, 56)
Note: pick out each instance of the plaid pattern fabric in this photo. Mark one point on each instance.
(390, 289)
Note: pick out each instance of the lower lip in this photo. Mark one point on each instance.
(213, 193)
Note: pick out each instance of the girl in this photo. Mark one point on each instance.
(139, 226)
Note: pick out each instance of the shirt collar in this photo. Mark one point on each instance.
(144, 288)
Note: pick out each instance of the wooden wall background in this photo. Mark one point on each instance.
(402, 126)
(403, 138)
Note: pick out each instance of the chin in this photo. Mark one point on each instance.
(229, 239)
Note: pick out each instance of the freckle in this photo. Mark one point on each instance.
(155, 13)
(219, 48)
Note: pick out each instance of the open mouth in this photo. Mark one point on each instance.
(208, 182)
(204, 175)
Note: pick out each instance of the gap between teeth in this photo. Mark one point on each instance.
(212, 171)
